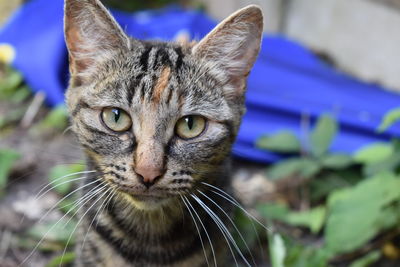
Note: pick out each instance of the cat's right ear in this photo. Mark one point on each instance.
(92, 35)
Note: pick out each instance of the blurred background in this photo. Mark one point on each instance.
(316, 161)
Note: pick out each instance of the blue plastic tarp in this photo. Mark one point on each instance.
(287, 83)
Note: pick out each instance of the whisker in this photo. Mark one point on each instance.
(51, 228)
(80, 220)
(236, 203)
(218, 222)
(100, 210)
(65, 197)
(65, 176)
(198, 231)
(232, 222)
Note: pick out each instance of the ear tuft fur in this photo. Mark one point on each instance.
(92, 35)
(233, 45)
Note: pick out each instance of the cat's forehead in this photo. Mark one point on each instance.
(158, 74)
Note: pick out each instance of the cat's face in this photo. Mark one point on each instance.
(156, 119)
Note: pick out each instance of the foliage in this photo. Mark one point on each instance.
(283, 142)
(62, 260)
(62, 175)
(56, 120)
(352, 199)
(390, 119)
(277, 250)
(310, 160)
(54, 231)
(7, 160)
(365, 210)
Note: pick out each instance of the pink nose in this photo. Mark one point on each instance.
(148, 175)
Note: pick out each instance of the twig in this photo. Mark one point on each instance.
(5, 244)
(33, 109)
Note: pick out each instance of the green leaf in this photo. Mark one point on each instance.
(390, 118)
(337, 161)
(61, 260)
(277, 250)
(21, 94)
(54, 231)
(321, 187)
(363, 210)
(281, 142)
(9, 83)
(7, 160)
(57, 119)
(388, 165)
(322, 135)
(273, 211)
(62, 176)
(306, 256)
(303, 167)
(374, 153)
(248, 229)
(313, 219)
(367, 260)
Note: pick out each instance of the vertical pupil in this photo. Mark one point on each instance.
(117, 114)
(190, 122)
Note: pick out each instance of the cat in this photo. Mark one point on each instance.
(156, 121)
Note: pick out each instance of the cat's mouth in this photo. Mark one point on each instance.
(146, 201)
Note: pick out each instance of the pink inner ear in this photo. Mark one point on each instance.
(234, 45)
(92, 36)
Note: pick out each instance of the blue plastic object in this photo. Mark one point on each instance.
(287, 82)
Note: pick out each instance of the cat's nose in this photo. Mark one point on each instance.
(148, 175)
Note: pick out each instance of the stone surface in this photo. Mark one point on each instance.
(272, 9)
(7, 7)
(362, 36)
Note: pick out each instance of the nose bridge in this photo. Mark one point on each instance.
(149, 152)
(149, 156)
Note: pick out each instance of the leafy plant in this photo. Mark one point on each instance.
(56, 120)
(63, 175)
(351, 199)
(365, 209)
(7, 160)
(310, 160)
(12, 87)
(390, 119)
(277, 250)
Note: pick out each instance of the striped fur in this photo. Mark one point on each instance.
(128, 223)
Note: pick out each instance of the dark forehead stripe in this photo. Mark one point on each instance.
(144, 58)
(81, 105)
(180, 56)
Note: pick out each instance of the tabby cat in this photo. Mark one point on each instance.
(156, 121)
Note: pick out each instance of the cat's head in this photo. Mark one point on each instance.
(156, 119)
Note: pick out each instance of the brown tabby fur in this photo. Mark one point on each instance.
(126, 222)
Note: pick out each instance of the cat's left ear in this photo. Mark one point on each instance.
(234, 46)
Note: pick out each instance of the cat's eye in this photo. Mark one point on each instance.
(116, 119)
(190, 126)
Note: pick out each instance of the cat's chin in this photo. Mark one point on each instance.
(146, 202)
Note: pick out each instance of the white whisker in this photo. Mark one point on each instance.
(232, 222)
(80, 220)
(219, 224)
(51, 228)
(198, 231)
(39, 195)
(236, 203)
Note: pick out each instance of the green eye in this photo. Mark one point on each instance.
(116, 119)
(190, 126)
